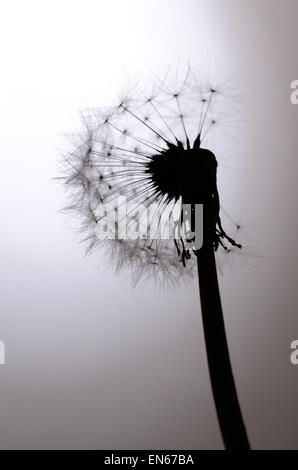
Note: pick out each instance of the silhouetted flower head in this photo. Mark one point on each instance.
(157, 145)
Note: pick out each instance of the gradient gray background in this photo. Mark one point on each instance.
(92, 363)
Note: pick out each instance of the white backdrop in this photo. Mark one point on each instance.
(91, 362)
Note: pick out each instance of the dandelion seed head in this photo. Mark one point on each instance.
(148, 149)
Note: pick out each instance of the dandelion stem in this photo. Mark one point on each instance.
(222, 381)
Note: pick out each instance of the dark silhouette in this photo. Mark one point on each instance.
(191, 174)
(133, 150)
